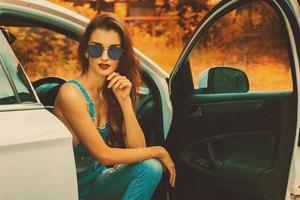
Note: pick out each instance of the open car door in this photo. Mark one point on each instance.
(234, 93)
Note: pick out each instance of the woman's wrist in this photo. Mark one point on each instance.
(160, 151)
(125, 102)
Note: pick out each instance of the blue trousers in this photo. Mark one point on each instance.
(136, 181)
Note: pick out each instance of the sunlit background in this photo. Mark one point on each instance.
(249, 38)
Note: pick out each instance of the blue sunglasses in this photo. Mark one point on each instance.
(96, 51)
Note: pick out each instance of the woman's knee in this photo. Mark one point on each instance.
(152, 167)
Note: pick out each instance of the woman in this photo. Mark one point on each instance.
(97, 108)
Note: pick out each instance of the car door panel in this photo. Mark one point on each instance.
(242, 111)
(233, 146)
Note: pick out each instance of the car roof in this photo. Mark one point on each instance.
(42, 13)
(46, 7)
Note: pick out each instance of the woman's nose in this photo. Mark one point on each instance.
(104, 56)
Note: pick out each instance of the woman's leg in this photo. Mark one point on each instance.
(128, 182)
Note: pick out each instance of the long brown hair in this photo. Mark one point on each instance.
(128, 66)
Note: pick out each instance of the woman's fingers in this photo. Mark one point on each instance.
(122, 84)
(172, 175)
(126, 84)
(118, 83)
(114, 80)
(169, 164)
(171, 171)
(112, 75)
(171, 168)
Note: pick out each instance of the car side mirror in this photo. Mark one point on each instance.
(11, 38)
(223, 80)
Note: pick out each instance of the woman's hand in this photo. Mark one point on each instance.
(167, 161)
(120, 85)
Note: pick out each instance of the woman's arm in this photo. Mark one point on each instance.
(121, 86)
(134, 136)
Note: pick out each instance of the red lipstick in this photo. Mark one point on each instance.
(104, 66)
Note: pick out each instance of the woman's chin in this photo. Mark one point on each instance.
(105, 72)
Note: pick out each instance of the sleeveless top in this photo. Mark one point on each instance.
(87, 167)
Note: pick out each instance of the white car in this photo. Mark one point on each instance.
(228, 139)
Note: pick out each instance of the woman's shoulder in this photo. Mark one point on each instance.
(69, 93)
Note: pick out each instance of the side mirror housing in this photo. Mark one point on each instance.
(9, 36)
(223, 80)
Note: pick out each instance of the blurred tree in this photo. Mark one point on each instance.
(45, 53)
(98, 5)
(84, 9)
(190, 12)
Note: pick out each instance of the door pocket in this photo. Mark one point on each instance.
(234, 158)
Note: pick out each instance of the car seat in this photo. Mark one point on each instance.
(47, 89)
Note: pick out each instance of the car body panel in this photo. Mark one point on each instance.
(45, 12)
(36, 156)
(35, 147)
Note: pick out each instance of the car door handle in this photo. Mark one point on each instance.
(194, 111)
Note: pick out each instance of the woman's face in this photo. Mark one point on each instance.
(103, 65)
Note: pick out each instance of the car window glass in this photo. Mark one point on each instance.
(250, 38)
(18, 80)
(7, 95)
(23, 87)
(43, 52)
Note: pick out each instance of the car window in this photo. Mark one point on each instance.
(14, 76)
(7, 95)
(43, 52)
(23, 87)
(251, 39)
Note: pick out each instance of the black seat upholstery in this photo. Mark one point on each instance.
(146, 116)
(47, 89)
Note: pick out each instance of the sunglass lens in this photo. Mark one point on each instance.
(95, 50)
(115, 53)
